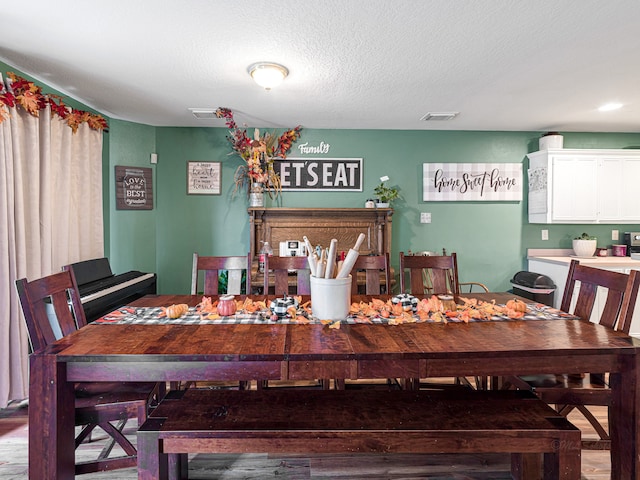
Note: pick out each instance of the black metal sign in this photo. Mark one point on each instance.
(320, 174)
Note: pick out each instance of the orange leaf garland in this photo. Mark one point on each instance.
(29, 96)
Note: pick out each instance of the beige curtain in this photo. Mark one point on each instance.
(50, 215)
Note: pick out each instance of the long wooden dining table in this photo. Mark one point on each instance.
(272, 351)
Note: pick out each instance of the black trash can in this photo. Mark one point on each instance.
(534, 286)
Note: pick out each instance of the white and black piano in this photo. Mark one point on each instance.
(102, 292)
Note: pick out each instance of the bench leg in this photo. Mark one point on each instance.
(178, 466)
(565, 463)
(526, 466)
(152, 464)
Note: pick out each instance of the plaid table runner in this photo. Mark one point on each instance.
(156, 316)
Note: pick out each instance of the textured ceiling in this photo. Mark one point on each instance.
(373, 64)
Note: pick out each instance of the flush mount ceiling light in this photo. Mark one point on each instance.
(607, 107)
(267, 75)
(203, 113)
(430, 116)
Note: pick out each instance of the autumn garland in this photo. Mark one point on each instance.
(29, 96)
(258, 154)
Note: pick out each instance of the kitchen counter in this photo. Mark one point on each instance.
(598, 262)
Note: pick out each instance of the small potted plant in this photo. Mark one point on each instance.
(385, 194)
(584, 245)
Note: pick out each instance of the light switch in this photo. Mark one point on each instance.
(545, 234)
(425, 217)
(614, 234)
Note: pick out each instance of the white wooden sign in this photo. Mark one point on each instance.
(455, 182)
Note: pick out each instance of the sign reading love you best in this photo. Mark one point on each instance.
(454, 182)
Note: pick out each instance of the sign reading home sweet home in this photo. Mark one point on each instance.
(134, 188)
(454, 182)
(320, 173)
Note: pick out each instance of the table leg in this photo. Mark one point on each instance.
(625, 418)
(51, 420)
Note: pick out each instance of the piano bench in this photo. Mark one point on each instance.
(542, 443)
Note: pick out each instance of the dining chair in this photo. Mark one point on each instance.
(432, 275)
(99, 404)
(238, 271)
(283, 269)
(429, 274)
(238, 268)
(374, 268)
(578, 392)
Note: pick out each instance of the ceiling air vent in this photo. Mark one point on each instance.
(436, 116)
(203, 113)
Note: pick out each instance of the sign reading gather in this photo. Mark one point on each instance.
(472, 182)
(320, 173)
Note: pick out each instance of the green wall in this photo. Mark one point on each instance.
(491, 238)
(132, 234)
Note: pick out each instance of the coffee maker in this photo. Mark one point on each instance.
(632, 241)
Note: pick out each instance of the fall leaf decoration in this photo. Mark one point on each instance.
(429, 309)
(258, 153)
(28, 96)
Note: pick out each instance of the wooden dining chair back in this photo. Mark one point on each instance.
(620, 296)
(429, 274)
(577, 392)
(238, 268)
(375, 270)
(107, 405)
(282, 269)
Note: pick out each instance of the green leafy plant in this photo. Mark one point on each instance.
(586, 236)
(386, 194)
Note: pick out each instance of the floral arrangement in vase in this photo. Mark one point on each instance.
(258, 153)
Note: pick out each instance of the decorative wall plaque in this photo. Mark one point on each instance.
(203, 178)
(454, 182)
(328, 174)
(134, 188)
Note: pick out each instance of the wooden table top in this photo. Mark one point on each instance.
(239, 342)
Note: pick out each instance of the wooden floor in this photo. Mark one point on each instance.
(14, 461)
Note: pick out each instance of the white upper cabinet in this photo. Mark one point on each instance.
(584, 186)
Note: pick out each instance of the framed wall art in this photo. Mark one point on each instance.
(455, 182)
(320, 174)
(204, 178)
(134, 188)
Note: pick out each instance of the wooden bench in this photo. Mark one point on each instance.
(542, 443)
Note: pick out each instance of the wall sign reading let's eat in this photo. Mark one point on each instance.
(454, 182)
(320, 173)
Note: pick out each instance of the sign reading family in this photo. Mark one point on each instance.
(451, 182)
(320, 173)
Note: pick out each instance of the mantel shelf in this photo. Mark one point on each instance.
(320, 225)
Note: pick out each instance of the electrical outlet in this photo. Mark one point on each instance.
(425, 217)
(614, 234)
(545, 234)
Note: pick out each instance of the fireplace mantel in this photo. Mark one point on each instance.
(320, 225)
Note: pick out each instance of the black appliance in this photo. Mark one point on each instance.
(632, 241)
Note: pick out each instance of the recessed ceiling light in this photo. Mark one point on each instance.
(607, 107)
(203, 113)
(439, 116)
